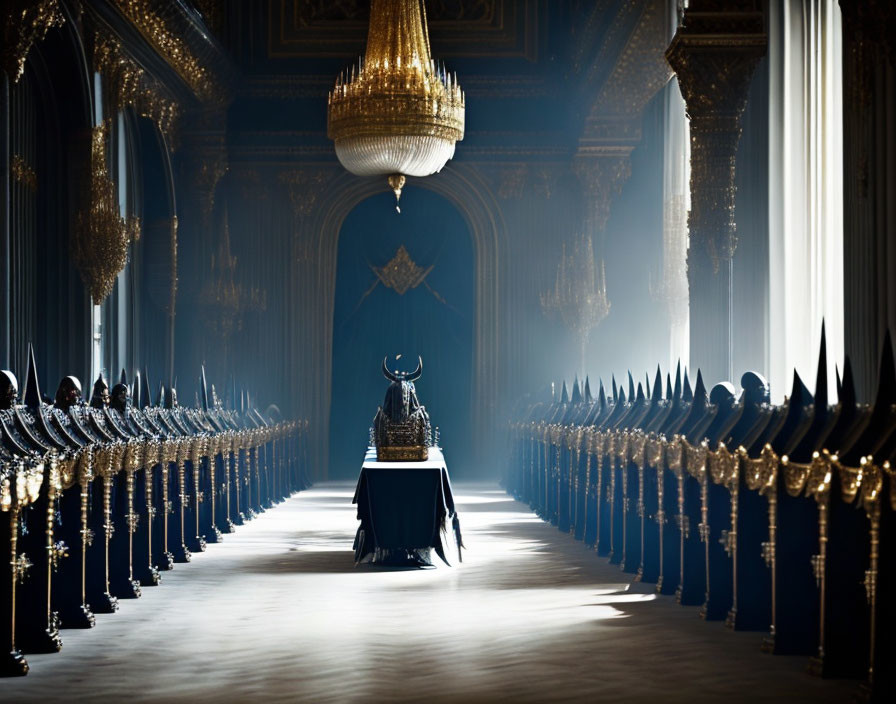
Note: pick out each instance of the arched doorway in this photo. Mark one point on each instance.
(427, 311)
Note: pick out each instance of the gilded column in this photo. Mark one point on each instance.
(714, 54)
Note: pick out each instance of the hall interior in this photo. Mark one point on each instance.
(640, 252)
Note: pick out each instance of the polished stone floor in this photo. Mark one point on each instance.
(278, 612)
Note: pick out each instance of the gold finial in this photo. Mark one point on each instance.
(396, 183)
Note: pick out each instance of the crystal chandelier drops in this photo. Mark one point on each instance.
(396, 113)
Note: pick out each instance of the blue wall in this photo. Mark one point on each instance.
(371, 321)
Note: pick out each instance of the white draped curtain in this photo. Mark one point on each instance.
(805, 191)
(676, 204)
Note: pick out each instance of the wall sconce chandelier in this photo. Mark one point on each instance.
(396, 113)
(579, 296)
(226, 302)
(101, 236)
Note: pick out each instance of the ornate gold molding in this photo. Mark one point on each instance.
(172, 48)
(126, 84)
(619, 22)
(396, 453)
(641, 69)
(468, 28)
(25, 23)
(714, 55)
(585, 31)
(101, 237)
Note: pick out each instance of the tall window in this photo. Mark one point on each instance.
(97, 358)
(805, 190)
(118, 303)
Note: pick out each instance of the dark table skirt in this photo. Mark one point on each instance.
(404, 509)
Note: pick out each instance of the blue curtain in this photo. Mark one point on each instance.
(372, 320)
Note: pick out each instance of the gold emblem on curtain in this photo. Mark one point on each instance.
(401, 272)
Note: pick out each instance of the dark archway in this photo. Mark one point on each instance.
(45, 301)
(434, 319)
(464, 187)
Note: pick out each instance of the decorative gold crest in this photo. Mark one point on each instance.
(401, 273)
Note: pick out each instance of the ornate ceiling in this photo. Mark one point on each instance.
(460, 28)
(545, 79)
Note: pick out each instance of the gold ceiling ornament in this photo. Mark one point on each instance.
(101, 237)
(125, 83)
(579, 296)
(143, 14)
(396, 113)
(26, 22)
(401, 272)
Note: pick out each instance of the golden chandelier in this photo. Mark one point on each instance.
(396, 113)
(579, 296)
(101, 236)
